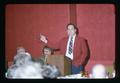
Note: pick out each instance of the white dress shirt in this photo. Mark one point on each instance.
(67, 54)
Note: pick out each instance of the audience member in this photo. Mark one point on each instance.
(47, 51)
(25, 68)
(98, 71)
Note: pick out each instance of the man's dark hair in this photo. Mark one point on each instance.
(77, 31)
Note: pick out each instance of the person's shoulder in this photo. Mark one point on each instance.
(42, 56)
(28, 54)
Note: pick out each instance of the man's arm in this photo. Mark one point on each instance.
(85, 52)
(50, 44)
(43, 39)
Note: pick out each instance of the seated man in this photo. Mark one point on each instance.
(21, 52)
(47, 51)
(22, 59)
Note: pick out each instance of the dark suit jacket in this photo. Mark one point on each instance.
(80, 51)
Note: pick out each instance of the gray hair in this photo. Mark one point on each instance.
(25, 68)
(21, 59)
(50, 72)
(31, 70)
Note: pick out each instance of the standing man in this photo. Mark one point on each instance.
(72, 46)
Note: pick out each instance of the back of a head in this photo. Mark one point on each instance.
(22, 59)
(99, 71)
(27, 71)
(50, 72)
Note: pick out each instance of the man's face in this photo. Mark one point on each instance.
(71, 30)
(47, 52)
(20, 50)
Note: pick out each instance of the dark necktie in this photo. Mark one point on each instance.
(70, 46)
